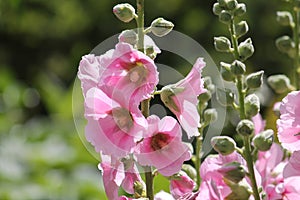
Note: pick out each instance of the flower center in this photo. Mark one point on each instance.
(159, 140)
(137, 74)
(122, 118)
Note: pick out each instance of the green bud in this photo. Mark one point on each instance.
(245, 127)
(239, 191)
(226, 73)
(128, 36)
(284, 18)
(286, 45)
(240, 9)
(217, 9)
(279, 83)
(225, 17)
(238, 68)
(255, 80)
(150, 52)
(161, 27)
(233, 171)
(231, 4)
(209, 85)
(222, 3)
(124, 12)
(190, 171)
(246, 49)
(225, 97)
(252, 105)
(167, 94)
(204, 97)
(264, 140)
(222, 44)
(241, 28)
(210, 115)
(224, 145)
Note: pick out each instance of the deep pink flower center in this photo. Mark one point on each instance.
(122, 118)
(159, 140)
(137, 74)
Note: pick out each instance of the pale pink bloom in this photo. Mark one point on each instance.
(181, 98)
(89, 72)
(293, 166)
(287, 190)
(113, 126)
(118, 174)
(270, 167)
(181, 185)
(289, 123)
(210, 191)
(163, 148)
(211, 173)
(130, 71)
(162, 195)
(259, 123)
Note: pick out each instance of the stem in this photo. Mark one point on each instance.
(198, 157)
(145, 104)
(296, 40)
(241, 93)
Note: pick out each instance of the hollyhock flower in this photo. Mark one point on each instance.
(162, 147)
(287, 190)
(113, 126)
(181, 185)
(89, 72)
(181, 98)
(289, 123)
(212, 173)
(116, 174)
(130, 71)
(293, 166)
(162, 195)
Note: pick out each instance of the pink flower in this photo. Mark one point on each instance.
(113, 126)
(89, 72)
(289, 123)
(287, 190)
(130, 71)
(259, 123)
(209, 190)
(162, 195)
(116, 174)
(162, 148)
(293, 166)
(181, 185)
(181, 98)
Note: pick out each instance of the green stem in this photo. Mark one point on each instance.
(140, 24)
(198, 156)
(296, 40)
(242, 94)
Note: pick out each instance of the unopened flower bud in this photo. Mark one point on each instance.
(264, 140)
(217, 9)
(150, 52)
(225, 17)
(226, 73)
(239, 191)
(240, 9)
(124, 11)
(245, 127)
(255, 80)
(222, 3)
(284, 18)
(210, 115)
(161, 27)
(190, 171)
(238, 68)
(225, 97)
(209, 85)
(222, 44)
(246, 49)
(286, 45)
(241, 28)
(167, 94)
(252, 105)
(128, 36)
(233, 171)
(279, 83)
(205, 96)
(224, 145)
(231, 4)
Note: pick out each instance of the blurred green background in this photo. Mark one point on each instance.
(41, 44)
